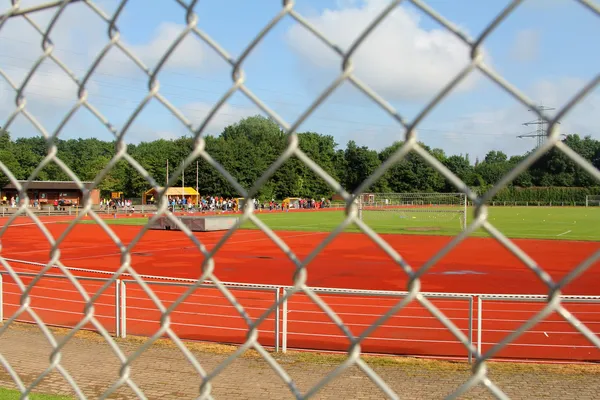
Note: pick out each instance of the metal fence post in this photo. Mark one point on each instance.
(123, 310)
(117, 308)
(277, 311)
(1, 298)
(470, 328)
(479, 322)
(284, 323)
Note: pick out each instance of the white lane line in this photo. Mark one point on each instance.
(34, 223)
(564, 233)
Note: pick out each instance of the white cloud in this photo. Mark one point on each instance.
(196, 112)
(476, 133)
(400, 59)
(584, 118)
(50, 92)
(526, 45)
(227, 115)
(190, 53)
(498, 129)
(78, 36)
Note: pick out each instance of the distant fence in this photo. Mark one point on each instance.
(536, 204)
(339, 206)
(298, 323)
(75, 210)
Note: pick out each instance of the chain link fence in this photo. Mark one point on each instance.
(192, 29)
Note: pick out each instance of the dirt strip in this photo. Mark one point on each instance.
(162, 372)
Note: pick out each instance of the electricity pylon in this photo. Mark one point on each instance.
(540, 132)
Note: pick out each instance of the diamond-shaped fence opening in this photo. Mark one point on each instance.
(134, 294)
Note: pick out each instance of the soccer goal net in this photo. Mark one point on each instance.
(445, 212)
(592, 201)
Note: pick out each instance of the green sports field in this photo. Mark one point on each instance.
(569, 223)
(10, 394)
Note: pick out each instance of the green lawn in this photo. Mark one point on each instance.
(569, 223)
(9, 394)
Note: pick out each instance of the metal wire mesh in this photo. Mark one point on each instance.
(346, 74)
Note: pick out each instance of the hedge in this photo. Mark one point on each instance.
(546, 195)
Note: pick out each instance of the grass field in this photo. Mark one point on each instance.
(9, 394)
(569, 223)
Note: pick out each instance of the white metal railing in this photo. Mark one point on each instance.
(73, 211)
(507, 334)
(128, 310)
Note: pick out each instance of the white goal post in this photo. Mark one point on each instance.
(415, 211)
(592, 201)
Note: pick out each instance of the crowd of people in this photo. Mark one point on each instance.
(312, 203)
(226, 204)
(200, 204)
(12, 202)
(114, 204)
(117, 204)
(15, 201)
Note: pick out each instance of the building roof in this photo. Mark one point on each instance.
(177, 191)
(49, 185)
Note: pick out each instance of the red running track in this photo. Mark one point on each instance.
(350, 261)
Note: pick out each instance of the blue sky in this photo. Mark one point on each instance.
(546, 48)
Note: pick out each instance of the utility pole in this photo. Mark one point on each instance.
(540, 132)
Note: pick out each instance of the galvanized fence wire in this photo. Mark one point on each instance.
(114, 43)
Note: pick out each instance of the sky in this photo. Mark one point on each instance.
(545, 48)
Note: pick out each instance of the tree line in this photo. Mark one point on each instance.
(246, 149)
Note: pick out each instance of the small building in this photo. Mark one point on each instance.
(190, 194)
(46, 192)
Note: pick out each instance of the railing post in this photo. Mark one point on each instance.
(470, 328)
(284, 323)
(1, 298)
(277, 311)
(117, 308)
(123, 310)
(479, 322)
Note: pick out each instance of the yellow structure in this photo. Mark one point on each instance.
(190, 194)
(240, 203)
(291, 202)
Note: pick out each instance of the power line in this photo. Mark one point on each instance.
(176, 93)
(121, 103)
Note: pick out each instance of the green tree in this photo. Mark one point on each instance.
(596, 159)
(361, 162)
(460, 167)
(249, 147)
(495, 156)
(8, 158)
